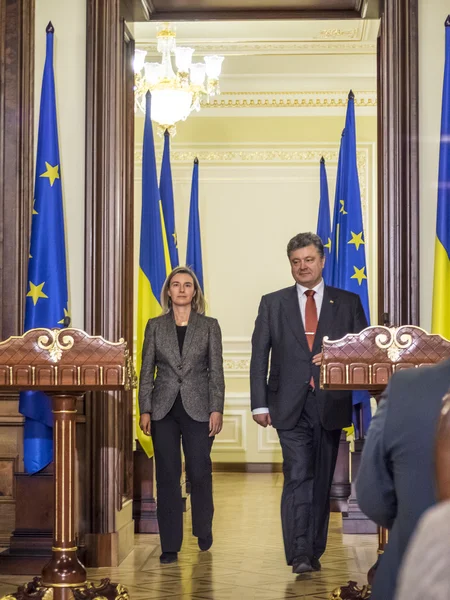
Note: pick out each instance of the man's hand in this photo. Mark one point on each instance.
(317, 359)
(144, 423)
(215, 423)
(263, 419)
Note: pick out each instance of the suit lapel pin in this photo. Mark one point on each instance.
(331, 301)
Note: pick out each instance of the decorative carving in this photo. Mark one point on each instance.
(53, 344)
(319, 46)
(332, 34)
(393, 343)
(351, 591)
(366, 360)
(35, 590)
(258, 156)
(237, 364)
(26, 361)
(131, 379)
(303, 99)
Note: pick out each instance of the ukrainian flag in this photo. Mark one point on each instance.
(47, 297)
(154, 259)
(441, 287)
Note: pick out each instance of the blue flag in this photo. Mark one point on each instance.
(194, 242)
(323, 221)
(441, 286)
(348, 256)
(335, 226)
(166, 191)
(47, 298)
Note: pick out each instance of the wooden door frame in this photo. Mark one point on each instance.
(398, 160)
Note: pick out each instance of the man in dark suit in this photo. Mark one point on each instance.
(290, 326)
(395, 484)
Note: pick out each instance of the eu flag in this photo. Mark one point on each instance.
(166, 191)
(154, 259)
(47, 298)
(323, 221)
(349, 257)
(194, 242)
(441, 286)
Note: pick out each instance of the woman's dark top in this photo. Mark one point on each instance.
(181, 333)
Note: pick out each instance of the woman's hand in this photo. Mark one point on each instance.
(144, 423)
(215, 423)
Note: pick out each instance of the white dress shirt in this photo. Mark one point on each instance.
(318, 297)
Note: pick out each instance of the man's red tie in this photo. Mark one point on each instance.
(310, 322)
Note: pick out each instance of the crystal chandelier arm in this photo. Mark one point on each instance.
(183, 58)
(139, 60)
(198, 72)
(213, 70)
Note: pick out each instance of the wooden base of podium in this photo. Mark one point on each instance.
(30, 548)
(64, 576)
(354, 520)
(35, 590)
(340, 487)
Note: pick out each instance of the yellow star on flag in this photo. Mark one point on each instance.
(328, 244)
(51, 173)
(36, 292)
(342, 209)
(359, 275)
(35, 212)
(66, 314)
(357, 239)
(175, 239)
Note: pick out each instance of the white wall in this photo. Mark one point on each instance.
(259, 186)
(69, 21)
(432, 15)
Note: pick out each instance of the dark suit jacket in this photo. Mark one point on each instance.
(279, 330)
(395, 483)
(197, 373)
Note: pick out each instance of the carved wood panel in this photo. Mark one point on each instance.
(398, 163)
(109, 247)
(368, 359)
(16, 196)
(16, 157)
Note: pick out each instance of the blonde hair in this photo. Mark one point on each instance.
(198, 301)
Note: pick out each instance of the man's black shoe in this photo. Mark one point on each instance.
(315, 563)
(168, 557)
(205, 543)
(301, 564)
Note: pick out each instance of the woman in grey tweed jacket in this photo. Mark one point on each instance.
(184, 400)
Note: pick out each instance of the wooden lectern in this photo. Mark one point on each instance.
(366, 361)
(65, 363)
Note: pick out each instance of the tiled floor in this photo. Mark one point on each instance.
(246, 561)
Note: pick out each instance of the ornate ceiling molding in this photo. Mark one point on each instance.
(326, 44)
(333, 34)
(303, 99)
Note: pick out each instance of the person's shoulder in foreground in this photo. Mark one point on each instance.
(425, 571)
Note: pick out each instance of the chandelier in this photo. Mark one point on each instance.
(174, 95)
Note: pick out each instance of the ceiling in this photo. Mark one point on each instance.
(263, 38)
(190, 10)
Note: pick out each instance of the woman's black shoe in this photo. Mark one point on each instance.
(168, 557)
(205, 543)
